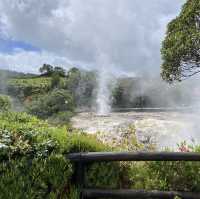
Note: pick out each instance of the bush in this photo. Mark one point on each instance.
(32, 164)
(61, 118)
(23, 88)
(180, 176)
(51, 103)
(39, 177)
(33, 160)
(80, 142)
(99, 175)
(174, 176)
(5, 103)
(55, 80)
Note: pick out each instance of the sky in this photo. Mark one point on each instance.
(127, 33)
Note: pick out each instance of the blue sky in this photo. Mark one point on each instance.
(9, 46)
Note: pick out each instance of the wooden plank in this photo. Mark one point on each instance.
(134, 156)
(99, 193)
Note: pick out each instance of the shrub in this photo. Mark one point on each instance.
(51, 103)
(39, 177)
(98, 175)
(103, 175)
(5, 103)
(61, 118)
(80, 142)
(32, 164)
(176, 176)
(33, 160)
(183, 176)
(23, 88)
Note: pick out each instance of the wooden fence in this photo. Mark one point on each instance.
(81, 160)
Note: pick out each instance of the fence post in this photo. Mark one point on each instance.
(80, 176)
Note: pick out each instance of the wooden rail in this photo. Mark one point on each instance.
(81, 160)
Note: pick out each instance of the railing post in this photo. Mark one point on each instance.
(80, 176)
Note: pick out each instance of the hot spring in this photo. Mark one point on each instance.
(162, 128)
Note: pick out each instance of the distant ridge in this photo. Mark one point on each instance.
(15, 74)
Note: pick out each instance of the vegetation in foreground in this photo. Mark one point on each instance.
(34, 163)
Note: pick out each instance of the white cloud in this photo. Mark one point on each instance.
(129, 32)
(25, 61)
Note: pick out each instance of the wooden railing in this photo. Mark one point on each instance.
(81, 160)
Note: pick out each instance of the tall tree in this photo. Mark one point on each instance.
(46, 69)
(73, 79)
(181, 47)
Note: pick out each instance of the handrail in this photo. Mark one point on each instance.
(81, 159)
(133, 156)
(127, 193)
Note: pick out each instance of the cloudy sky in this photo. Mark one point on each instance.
(82, 32)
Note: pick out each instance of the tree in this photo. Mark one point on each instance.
(60, 71)
(52, 103)
(181, 47)
(73, 79)
(46, 69)
(84, 91)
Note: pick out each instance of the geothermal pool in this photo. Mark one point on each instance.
(164, 129)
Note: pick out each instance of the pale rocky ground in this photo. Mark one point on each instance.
(165, 129)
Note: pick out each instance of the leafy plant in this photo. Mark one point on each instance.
(33, 158)
(51, 103)
(5, 103)
(174, 176)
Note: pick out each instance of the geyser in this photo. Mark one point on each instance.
(105, 84)
(103, 95)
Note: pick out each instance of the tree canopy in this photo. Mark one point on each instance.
(48, 70)
(181, 47)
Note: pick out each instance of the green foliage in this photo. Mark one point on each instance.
(84, 93)
(180, 49)
(5, 103)
(80, 84)
(184, 176)
(103, 175)
(73, 78)
(33, 160)
(35, 178)
(23, 88)
(46, 69)
(51, 103)
(74, 193)
(82, 142)
(32, 164)
(59, 71)
(61, 118)
(55, 81)
(174, 176)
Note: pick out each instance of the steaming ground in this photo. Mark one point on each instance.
(165, 129)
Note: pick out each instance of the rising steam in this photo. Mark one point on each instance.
(103, 95)
(105, 83)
